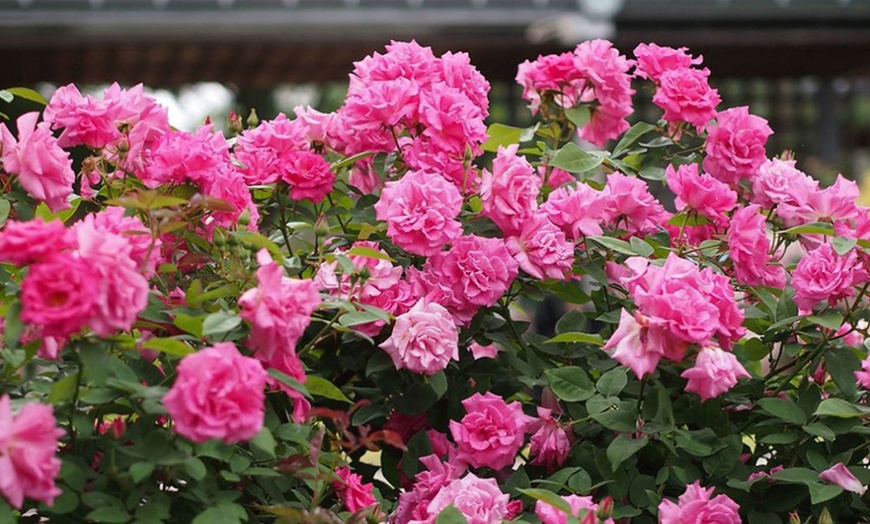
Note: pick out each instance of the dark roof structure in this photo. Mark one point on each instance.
(259, 43)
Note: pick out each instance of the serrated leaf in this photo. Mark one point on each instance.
(813, 228)
(830, 319)
(641, 247)
(573, 159)
(570, 383)
(612, 383)
(631, 136)
(576, 337)
(321, 387)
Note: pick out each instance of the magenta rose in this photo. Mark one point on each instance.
(735, 145)
(749, 246)
(28, 453)
(218, 394)
(352, 491)
(60, 294)
(696, 507)
(308, 175)
(492, 431)
(23, 243)
(549, 444)
(424, 340)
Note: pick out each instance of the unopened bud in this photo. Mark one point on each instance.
(321, 226)
(825, 517)
(605, 508)
(253, 119)
(245, 217)
(234, 124)
(793, 518)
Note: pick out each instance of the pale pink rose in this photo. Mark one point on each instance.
(685, 95)
(849, 336)
(317, 126)
(509, 192)
(578, 212)
(709, 197)
(735, 145)
(478, 351)
(122, 290)
(654, 60)
(60, 294)
(824, 275)
(424, 340)
(413, 505)
(553, 515)
(373, 109)
(23, 243)
(84, 119)
(549, 444)
(144, 250)
(28, 453)
(749, 249)
(863, 376)
(308, 175)
(265, 150)
(631, 207)
(141, 122)
(178, 157)
(492, 431)
(479, 500)
(779, 182)
(421, 211)
(352, 491)
(475, 272)
(841, 476)
(638, 346)
(279, 309)
(696, 507)
(715, 372)
(44, 170)
(218, 394)
(542, 250)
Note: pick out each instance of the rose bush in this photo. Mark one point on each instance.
(327, 318)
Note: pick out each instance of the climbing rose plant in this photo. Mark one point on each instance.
(326, 318)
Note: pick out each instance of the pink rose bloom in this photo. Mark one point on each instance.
(478, 351)
(824, 275)
(420, 210)
(122, 290)
(863, 376)
(553, 73)
(279, 309)
(44, 169)
(686, 96)
(178, 157)
(749, 249)
(23, 243)
(457, 71)
(413, 505)
(492, 431)
(317, 126)
(475, 272)
(553, 515)
(364, 177)
(542, 250)
(353, 493)
(60, 294)
(831, 204)
(264, 150)
(631, 207)
(639, 347)
(308, 175)
(735, 145)
(479, 500)
(84, 119)
(421, 155)
(143, 251)
(549, 445)
(709, 197)
(228, 186)
(578, 212)
(141, 122)
(218, 394)
(841, 476)
(606, 72)
(696, 507)
(715, 372)
(509, 192)
(453, 123)
(653, 60)
(779, 182)
(424, 340)
(28, 449)
(402, 60)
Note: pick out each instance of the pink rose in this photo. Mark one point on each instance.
(265, 150)
(479, 500)
(509, 192)
(84, 119)
(542, 250)
(686, 96)
(178, 157)
(831, 204)
(229, 186)
(424, 340)
(60, 294)
(653, 61)
(863, 376)
(749, 249)
(696, 507)
(453, 123)
(218, 394)
(478, 351)
(824, 275)
(549, 444)
(144, 250)
(715, 372)
(28, 449)
(308, 175)
(492, 431)
(779, 182)
(457, 71)
(353, 493)
(709, 197)
(553, 515)
(420, 211)
(841, 476)
(578, 212)
(735, 145)
(23, 243)
(638, 346)
(608, 83)
(413, 505)
(44, 169)
(631, 207)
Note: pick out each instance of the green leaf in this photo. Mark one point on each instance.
(842, 365)
(688, 218)
(64, 389)
(612, 383)
(364, 251)
(843, 245)
(575, 160)
(189, 324)
(5, 206)
(170, 346)
(830, 319)
(323, 388)
(450, 515)
(196, 467)
(641, 247)
(289, 381)
(785, 409)
(823, 492)
(12, 325)
(578, 338)
(220, 323)
(547, 496)
(139, 471)
(579, 116)
(501, 135)
(222, 514)
(622, 448)
(614, 244)
(631, 136)
(27, 94)
(355, 318)
(835, 407)
(570, 383)
(820, 430)
(111, 514)
(813, 228)
(797, 476)
(265, 442)
(261, 241)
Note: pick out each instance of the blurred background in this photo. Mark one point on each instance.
(802, 64)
